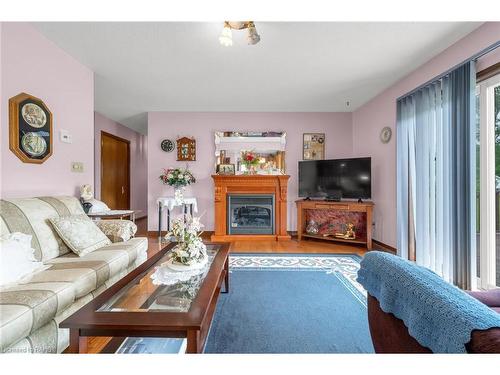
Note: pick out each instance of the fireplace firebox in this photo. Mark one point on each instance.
(250, 214)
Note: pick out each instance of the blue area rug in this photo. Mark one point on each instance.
(291, 304)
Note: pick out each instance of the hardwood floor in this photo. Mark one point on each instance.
(310, 246)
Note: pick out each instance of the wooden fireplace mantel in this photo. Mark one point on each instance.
(250, 184)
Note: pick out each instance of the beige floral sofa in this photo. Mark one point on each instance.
(30, 311)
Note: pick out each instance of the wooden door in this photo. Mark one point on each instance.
(115, 171)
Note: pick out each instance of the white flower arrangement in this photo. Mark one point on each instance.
(177, 177)
(190, 248)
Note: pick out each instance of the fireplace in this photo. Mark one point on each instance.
(250, 214)
(250, 207)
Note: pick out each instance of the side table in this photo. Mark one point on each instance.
(115, 214)
(170, 203)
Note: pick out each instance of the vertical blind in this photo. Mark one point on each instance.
(436, 175)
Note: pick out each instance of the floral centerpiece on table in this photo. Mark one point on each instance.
(178, 178)
(250, 160)
(190, 249)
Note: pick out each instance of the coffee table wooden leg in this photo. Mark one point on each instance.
(159, 220)
(77, 343)
(193, 342)
(226, 277)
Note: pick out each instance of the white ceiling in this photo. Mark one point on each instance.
(297, 66)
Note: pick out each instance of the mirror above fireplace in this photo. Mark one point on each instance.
(267, 147)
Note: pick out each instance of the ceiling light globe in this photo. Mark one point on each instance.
(226, 37)
(253, 37)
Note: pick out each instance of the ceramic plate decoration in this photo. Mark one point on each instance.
(33, 144)
(34, 115)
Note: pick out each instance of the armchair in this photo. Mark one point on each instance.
(390, 335)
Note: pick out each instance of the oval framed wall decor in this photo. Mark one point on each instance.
(30, 129)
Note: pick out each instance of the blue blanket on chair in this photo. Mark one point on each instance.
(438, 315)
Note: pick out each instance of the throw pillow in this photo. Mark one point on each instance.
(97, 206)
(117, 230)
(17, 258)
(79, 233)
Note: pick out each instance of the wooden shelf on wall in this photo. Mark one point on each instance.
(363, 208)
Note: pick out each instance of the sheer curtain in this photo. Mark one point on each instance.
(435, 176)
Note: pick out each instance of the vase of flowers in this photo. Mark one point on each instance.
(250, 160)
(178, 178)
(190, 251)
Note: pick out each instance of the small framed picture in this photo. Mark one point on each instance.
(313, 146)
(226, 169)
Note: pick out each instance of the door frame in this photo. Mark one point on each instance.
(487, 249)
(127, 142)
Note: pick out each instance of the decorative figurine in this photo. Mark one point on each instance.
(312, 227)
(349, 234)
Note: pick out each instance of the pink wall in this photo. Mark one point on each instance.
(202, 126)
(138, 161)
(30, 63)
(381, 111)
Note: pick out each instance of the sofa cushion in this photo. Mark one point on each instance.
(30, 216)
(25, 308)
(91, 271)
(80, 233)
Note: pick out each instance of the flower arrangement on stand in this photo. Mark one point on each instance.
(178, 178)
(250, 160)
(190, 249)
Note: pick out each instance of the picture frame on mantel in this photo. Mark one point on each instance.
(313, 146)
(226, 169)
(30, 129)
(186, 149)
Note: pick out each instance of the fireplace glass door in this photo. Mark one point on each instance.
(250, 214)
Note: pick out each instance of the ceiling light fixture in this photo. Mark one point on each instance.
(226, 37)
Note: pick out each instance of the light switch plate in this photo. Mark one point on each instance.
(65, 136)
(77, 166)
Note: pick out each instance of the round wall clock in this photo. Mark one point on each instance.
(386, 134)
(167, 145)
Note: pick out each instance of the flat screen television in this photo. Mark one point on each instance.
(335, 179)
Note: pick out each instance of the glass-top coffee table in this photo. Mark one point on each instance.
(136, 307)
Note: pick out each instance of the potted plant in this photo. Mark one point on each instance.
(178, 178)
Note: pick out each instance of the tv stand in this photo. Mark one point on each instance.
(332, 199)
(363, 211)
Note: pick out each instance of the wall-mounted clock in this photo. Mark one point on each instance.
(385, 134)
(167, 145)
(30, 129)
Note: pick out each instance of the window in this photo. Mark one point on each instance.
(488, 181)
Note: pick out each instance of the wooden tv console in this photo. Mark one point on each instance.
(364, 209)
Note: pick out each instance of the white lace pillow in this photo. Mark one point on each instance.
(17, 258)
(80, 233)
(97, 206)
